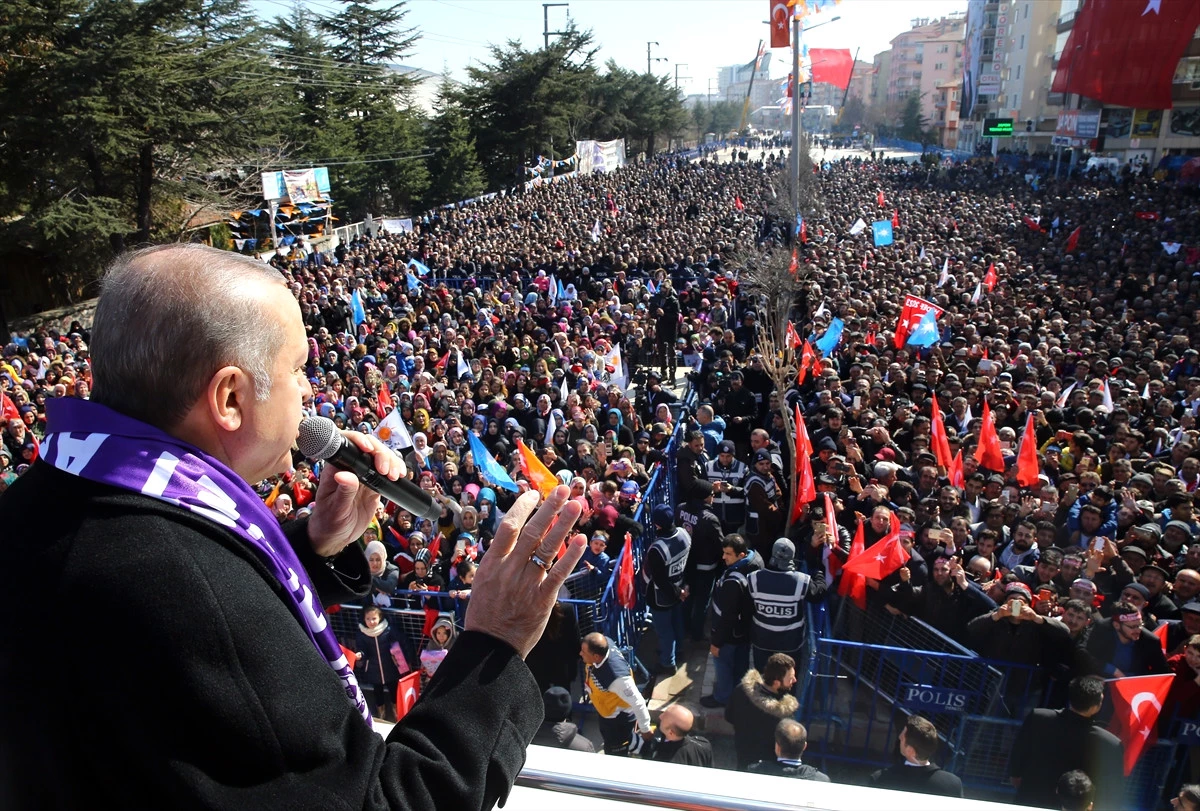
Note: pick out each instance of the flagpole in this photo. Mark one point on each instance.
(795, 115)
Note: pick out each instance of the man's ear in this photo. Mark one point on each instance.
(226, 396)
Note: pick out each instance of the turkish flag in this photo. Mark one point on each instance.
(794, 266)
(940, 442)
(1032, 224)
(738, 204)
(830, 518)
(834, 66)
(626, 593)
(853, 585)
(988, 453)
(781, 34)
(1124, 52)
(881, 197)
(1028, 466)
(431, 618)
(8, 409)
(408, 690)
(793, 338)
(895, 218)
(956, 471)
(1161, 633)
(990, 278)
(1146, 215)
(911, 313)
(1137, 702)
(806, 489)
(803, 232)
(881, 559)
(385, 403)
(806, 359)
(1073, 240)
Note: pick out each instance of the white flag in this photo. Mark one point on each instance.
(564, 391)
(858, 226)
(820, 310)
(978, 293)
(548, 440)
(945, 272)
(1108, 400)
(1066, 395)
(922, 256)
(392, 432)
(617, 376)
(968, 417)
(464, 368)
(552, 292)
(596, 231)
(1146, 391)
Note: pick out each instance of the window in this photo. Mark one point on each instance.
(939, 65)
(1027, 11)
(1018, 71)
(1022, 45)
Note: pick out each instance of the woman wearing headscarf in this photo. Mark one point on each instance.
(385, 575)
(416, 459)
(616, 423)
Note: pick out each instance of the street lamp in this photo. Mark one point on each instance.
(796, 31)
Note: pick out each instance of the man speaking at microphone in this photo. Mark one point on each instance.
(201, 670)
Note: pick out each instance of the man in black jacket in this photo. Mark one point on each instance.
(206, 348)
(732, 616)
(791, 739)
(758, 704)
(557, 730)
(1122, 648)
(675, 742)
(1052, 742)
(704, 559)
(948, 603)
(918, 745)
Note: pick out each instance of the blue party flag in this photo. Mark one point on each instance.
(882, 231)
(356, 308)
(422, 270)
(926, 333)
(488, 466)
(829, 340)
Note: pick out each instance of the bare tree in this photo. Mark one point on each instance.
(782, 291)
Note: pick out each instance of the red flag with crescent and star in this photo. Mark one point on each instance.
(408, 690)
(781, 33)
(1137, 702)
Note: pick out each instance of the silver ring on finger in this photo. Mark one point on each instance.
(543, 565)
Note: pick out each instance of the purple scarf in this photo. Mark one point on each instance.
(94, 442)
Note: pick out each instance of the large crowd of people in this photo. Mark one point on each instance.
(560, 318)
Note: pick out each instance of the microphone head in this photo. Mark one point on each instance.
(319, 437)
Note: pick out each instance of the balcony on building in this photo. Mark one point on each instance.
(1065, 22)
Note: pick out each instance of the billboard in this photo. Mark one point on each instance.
(972, 55)
(1078, 124)
(600, 156)
(997, 127)
(311, 184)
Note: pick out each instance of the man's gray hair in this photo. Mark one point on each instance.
(168, 318)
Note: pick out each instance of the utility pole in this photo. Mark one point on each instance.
(546, 32)
(679, 65)
(655, 59)
(795, 167)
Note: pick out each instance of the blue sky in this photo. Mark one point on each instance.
(703, 35)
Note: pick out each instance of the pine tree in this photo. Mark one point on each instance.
(455, 173)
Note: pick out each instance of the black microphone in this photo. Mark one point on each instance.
(320, 439)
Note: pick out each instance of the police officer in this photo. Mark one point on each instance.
(777, 593)
(663, 576)
(765, 516)
(697, 518)
(728, 474)
(732, 619)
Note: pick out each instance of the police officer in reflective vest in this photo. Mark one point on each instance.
(765, 514)
(728, 474)
(663, 576)
(778, 593)
(704, 560)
